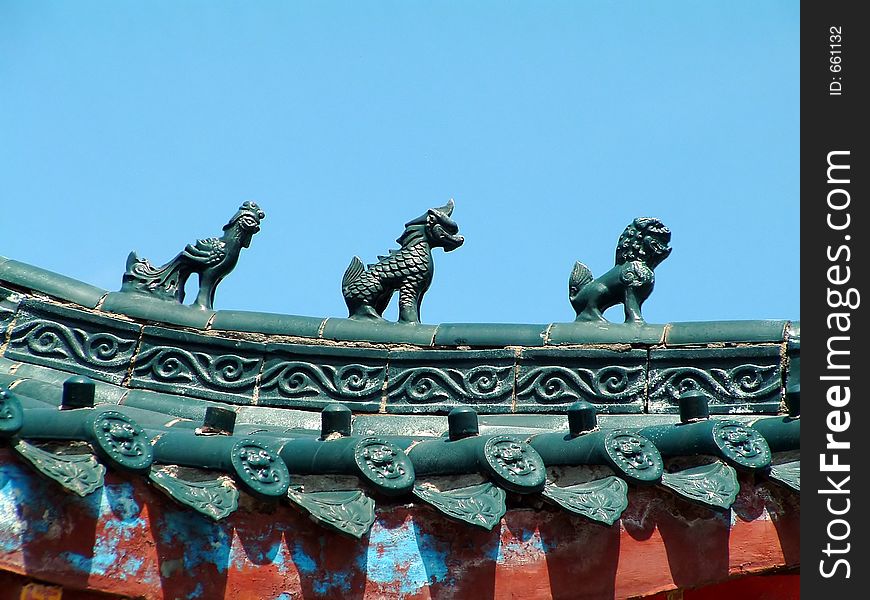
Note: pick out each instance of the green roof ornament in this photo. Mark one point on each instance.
(212, 259)
(368, 290)
(11, 413)
(81, 474)
(640, 249)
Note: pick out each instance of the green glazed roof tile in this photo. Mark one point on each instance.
(7, 379)
(267, 323)
(158, 420)
(104, 393)
(280, 417)
(350, 330)
(489, 335)
(706, 332)
(146, 308)
(28, 402)
(39, 390)
(794, 336)
(605, 333)
(168, 404)
(8, 307)
(30, 277)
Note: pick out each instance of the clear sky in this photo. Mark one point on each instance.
(144, 125)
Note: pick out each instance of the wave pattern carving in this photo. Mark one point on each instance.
(557, 384)
(50, 339)
(430, 384)
(300, 379)
(747, 382)
(174, 365)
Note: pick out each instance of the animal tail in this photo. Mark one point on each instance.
(580, 277)
(132, 259)
(354, 270)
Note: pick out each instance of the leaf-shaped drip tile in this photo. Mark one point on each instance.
(482, 505)
(711, 485)
(350, 512)
(602, 500)
(788, 474)
(215, 498)
(79, 473)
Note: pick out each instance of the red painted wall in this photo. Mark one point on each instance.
(753, 587)
(129, 539)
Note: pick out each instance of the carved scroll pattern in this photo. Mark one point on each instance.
(748, 382)
(429, 384)
(58, 342)
(556, 384)
(299, 379)
(174, 365)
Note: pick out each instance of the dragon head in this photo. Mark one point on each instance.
(645, 240)
(246, 222)
(436, 227)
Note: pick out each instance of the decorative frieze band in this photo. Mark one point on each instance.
(744, 378)
(72, 340)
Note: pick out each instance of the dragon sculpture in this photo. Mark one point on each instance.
(212, 259)
(641, 248)
(368, 290)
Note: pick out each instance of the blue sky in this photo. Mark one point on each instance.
(143, 125)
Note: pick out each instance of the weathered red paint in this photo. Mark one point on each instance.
(752, 587)
(19, 587)
(661, 543)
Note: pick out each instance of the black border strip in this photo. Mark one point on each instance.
(834, 269)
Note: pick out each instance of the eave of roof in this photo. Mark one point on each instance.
(159, 367)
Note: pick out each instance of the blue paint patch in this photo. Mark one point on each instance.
(336, 581)
(12, 530)
(434, 556)
(203, 541)
(302, 560)
(121, 501)
(132, 565)
(120, 524)
(329, 584)
(197, 592)
(284, 596)
(79, 562)
(394, 557)
(279, 558)
(105, 557)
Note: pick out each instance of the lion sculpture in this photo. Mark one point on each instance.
(367, 291)
(641, 248)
